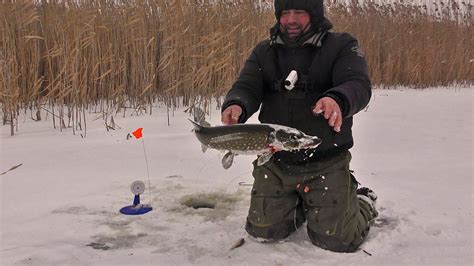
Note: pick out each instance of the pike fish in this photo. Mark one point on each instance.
(250, 139)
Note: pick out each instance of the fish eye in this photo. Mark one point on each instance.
(293, 137)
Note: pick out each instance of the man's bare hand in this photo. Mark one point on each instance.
(231, 115)
(331, 110)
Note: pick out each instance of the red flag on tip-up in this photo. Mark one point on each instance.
(138, 133)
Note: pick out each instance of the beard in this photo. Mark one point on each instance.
(299, 36)
(294, 31)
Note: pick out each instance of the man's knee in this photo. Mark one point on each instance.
(333, 243)
(273, 218)
(336, 231)
(336, 226)
(272, 232)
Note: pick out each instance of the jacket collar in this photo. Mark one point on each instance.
(314, 40)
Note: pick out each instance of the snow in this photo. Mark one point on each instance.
(61, 207)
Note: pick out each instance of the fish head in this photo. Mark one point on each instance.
(289, 139)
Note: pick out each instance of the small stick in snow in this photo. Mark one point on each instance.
(245, 184)
(367, 252)
(11, 169)
(237, 244)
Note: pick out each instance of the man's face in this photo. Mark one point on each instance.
(294, 22)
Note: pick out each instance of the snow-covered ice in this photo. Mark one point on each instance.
(414, 148)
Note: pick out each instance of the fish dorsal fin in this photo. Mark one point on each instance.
(227, 160)
(264, 158)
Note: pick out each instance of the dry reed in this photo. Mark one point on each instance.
(73, 57)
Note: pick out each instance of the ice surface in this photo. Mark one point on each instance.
(61, 207)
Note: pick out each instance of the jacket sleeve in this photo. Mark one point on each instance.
(350, 77)
(247, 91)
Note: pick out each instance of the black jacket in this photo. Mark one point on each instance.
(330, 66)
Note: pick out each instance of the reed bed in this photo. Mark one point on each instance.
(67, 58)
(412, 45)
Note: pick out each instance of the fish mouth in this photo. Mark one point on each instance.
(312, 143)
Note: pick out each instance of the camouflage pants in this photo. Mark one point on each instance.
(323, 193)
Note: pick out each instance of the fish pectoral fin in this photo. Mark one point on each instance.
(203, 148)
(227, 160)
(264, 158)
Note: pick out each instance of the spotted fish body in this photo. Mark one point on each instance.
(251, 139)
(239, 139)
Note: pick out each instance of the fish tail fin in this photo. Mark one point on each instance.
(200, 117)
(196, 125)
(196, 128)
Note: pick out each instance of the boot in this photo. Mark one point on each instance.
(368, 196)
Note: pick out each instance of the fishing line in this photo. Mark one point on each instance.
(147, 171)
(231, 181)
(204, 167)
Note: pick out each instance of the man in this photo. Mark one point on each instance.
(333, 84)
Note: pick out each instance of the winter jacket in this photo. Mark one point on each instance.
(329, 64)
